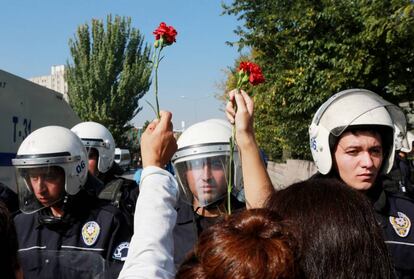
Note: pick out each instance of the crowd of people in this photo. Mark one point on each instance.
(79, 218)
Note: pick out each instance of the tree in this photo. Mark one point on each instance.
(310, 50)
(110, 72)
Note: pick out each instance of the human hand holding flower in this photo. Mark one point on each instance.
(243, 116)
(248, 72)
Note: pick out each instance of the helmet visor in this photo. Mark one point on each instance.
(203, 179)
(39, 187)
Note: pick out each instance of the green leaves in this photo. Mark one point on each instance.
(310, 50)
(109, 72)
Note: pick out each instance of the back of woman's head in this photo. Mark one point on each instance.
(336, 228)
(251, 244)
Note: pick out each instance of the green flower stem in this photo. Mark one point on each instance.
(230, 170)
(156, 64)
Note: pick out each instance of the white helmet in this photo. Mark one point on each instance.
(409, 139)
(95, 135)
(353, 107)
(206, 143)
(403, 142)
(51, 146)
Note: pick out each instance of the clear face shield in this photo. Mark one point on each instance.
(93, 158)
(361, 108)
(203, 179)
(39, 186)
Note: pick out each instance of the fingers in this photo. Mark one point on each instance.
(241, 104)
(158, 143)
(232, 93)
(151, 127)
(165, 120)
(249, 102)
(164, 123)
(230, 113)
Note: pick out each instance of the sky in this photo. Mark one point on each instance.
(35, 35)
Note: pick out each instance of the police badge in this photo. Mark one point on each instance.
(401, 224)
(90, 232)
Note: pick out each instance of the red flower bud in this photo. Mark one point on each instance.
(168, 33)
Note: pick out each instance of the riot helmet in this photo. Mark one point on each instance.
(351, 109)
(50, 154)
(201, 162)
(400, 140)
(96, 137)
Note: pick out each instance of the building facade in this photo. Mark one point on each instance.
(55, 81)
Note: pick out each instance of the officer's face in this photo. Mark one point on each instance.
(358, 158)
(93, 156)
(47, 184)
(207, 179)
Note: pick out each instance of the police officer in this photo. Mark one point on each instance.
(201, 168)
(352, 139)
(121, 192)
(64, 232)
(399, 178)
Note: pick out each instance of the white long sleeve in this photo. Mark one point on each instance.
(151, 250)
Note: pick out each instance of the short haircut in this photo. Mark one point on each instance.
(250, 244)
(336, 228)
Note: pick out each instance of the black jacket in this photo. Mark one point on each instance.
(91, 238)
(120, 192)
(395, 212)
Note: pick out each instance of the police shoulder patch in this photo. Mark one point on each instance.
(121, 251)
(401, 224)
(90, 232)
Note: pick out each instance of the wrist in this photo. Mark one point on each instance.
(152, 163)
(246, 140)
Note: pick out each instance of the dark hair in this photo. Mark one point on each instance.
(8, 244)
(250, 244)
(336, 228)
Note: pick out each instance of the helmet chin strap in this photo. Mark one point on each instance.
(47, 218)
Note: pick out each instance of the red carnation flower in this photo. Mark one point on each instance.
(253, 72)
(166, 32)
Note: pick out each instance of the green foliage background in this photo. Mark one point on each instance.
(109, 73)
(309, 50)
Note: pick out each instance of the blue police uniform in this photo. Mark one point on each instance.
(395, 212)
(90, 240)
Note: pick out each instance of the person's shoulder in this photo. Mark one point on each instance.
(104, 207)
(391, 195)
(23, 220)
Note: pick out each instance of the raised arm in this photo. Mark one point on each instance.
(151, 251)
(257, 184)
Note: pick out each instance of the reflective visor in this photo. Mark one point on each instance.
(203, 179)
